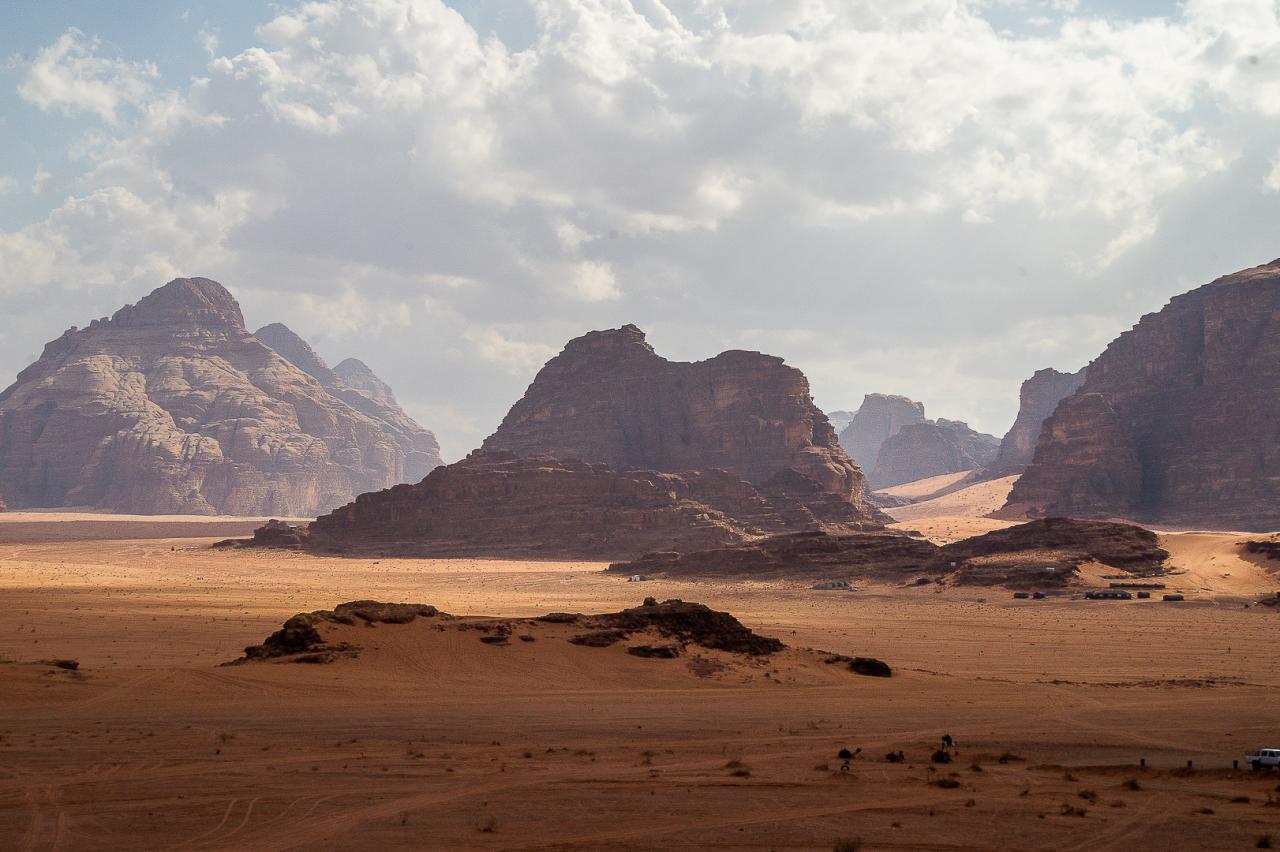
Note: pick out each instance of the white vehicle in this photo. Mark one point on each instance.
(1263, 757)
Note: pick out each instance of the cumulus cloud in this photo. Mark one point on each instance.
(70, 76)
(898, 196)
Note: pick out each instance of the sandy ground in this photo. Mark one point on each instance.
(429, 741)
(922, 488)
(960, 514)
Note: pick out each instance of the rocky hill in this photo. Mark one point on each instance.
(609, 398)
(879, 417)
(357, 386)
(1176, 421)
(932, 448)
(1037, 400)
(172, 406)
(498, 503)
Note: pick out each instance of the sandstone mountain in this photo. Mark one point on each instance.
(364, 392)
(879, 417)
(172, 406)
(1037, 400)
(615, 451)
(609, 398)
(1176, 421)
(355, 374)
(932, 448)
(497, 503)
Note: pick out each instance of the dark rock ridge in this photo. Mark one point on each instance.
(1176, 421)
(1037, 400)
(609, 398)
(807, 556)
(1022, 553)
(932, 448)
(1014, 556)
(879, 417)
(364, 392)
(301, 639)
(300, 635)
(691, 623)
(500, 503)
(171, 406)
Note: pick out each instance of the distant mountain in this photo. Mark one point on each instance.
(1176, 422)
(172, 406)
(839, 419)
(879, 417)
(1038, 398)
(921, 450)
(365, 393)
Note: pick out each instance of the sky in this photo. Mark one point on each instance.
(926, 197)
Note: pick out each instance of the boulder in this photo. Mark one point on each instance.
(1175, 421)
(171, 406)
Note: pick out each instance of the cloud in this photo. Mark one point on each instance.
(69, 76)
(869, 189)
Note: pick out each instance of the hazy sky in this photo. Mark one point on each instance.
(927, 197)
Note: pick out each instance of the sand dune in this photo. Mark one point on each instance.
(923, 488)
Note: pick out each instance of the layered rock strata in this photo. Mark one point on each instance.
(1176, 421)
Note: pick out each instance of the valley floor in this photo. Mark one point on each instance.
(414, 745)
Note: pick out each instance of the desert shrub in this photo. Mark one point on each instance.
(1131, 784)
(947, 783)
(1264, 842)
(852, 845)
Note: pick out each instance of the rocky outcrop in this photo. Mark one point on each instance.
(357, 386)
(1037, 400)
(498, 503)
(878, 418)
(932, 448)
(609, 398)
(795, 556)
(1047, 553)
(1176, 420)
(1123, 546)
(302, 639)
(171, 406)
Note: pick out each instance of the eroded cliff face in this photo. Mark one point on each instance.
(1037, 400)
(357, 386)
(932, 448)
(879, 417)
(608, 397)
(1176, 421)
(171, 406)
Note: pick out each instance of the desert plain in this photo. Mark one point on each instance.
(432, 739)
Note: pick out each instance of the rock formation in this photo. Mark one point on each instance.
(364, 392)
(795, 556)
(609, 398)
(1176, 421)
(879, 417)
(1123, 546)
(171, 406)
(1038, 398)
(932, 448)
(497, 503)
(302, 639)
